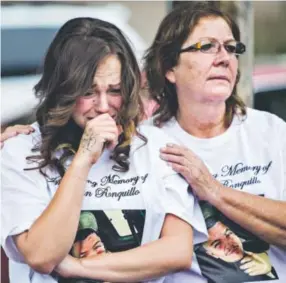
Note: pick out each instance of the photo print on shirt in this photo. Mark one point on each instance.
(231, 253)
(106, 231)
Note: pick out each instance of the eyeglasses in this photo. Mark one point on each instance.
(213, 46)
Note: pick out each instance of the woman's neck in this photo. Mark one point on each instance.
(203, 121)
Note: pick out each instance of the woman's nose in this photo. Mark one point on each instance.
(222, 57)
(101, 104)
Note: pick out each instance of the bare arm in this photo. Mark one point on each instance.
(172, 252)
(49, 239)
(51, 236)
(263, 217)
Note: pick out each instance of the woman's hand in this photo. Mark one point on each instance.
(100, 131)
(192, 168)
(256, 264)
(14, 131)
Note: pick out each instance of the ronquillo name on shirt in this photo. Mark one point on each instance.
(107, 192)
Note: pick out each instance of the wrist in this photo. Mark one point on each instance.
(78, 269)
(83, 161)
(92, 266)
(216, 190)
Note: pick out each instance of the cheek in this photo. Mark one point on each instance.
(234, 69)
(82, 105)
(116, 102)
(200, 72)
(197, 70)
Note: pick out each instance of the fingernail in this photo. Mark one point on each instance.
(170, 144)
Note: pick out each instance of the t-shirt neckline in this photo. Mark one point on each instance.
(221, 139)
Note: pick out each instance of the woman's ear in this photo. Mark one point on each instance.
(170, 76)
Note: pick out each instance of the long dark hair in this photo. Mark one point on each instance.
(164, 55)
(69, 68)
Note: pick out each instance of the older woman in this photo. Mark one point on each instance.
(232, 157)
(85, 153)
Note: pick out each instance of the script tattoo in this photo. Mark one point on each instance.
(88, 140)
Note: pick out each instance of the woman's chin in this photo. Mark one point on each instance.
(219, 97)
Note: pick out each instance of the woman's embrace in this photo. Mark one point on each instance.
(87, 154)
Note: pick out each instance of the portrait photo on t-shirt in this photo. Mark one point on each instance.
(231, 253)
(106, 231)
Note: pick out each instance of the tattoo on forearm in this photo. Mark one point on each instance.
(88, 140)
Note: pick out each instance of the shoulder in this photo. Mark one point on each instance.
(264, 121)
(16, 149)
(155, 135)
(147, 154)
(270, 119)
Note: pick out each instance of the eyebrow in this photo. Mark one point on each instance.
(210, 37)
(110, 85)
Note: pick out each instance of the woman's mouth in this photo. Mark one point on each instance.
(220, 78)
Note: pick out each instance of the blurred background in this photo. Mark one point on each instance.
(28, 27)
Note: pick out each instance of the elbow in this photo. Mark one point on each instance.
(41, 265)
(185, 261)
(184, 257)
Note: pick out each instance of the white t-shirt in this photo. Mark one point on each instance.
(121, 203)
(250, 156)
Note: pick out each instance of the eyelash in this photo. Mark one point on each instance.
(90, 93)
(115, 90)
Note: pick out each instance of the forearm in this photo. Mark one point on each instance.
(264, 217)
(156, 259)
(50, 238)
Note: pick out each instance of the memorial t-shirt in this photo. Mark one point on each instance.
(251, 157)
(120, 210)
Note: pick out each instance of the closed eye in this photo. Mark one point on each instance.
(89, 93)
(215, 243)
(115, 91)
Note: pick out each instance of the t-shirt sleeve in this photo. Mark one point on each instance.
(176, 199)
(24, 193)
(180, 201)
